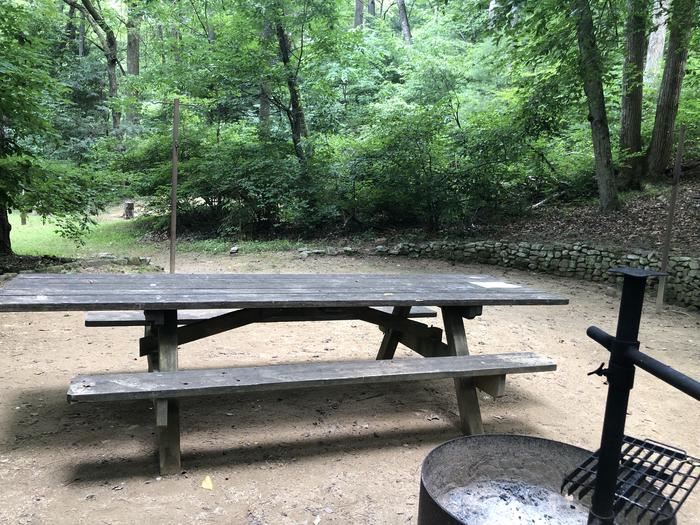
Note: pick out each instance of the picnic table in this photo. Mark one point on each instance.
(236, 300)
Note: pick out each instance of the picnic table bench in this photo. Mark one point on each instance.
(220, 302)
(133, 318)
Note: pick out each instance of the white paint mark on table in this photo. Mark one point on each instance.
(494, 284)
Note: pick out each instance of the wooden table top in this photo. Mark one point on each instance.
(61, 292)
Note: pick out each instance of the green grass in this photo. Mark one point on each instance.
(39, 237)
(122, 238)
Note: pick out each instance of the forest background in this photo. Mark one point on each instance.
(307, 117)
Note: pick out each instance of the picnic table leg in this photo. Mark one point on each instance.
(467, 398)
(150, 330)
(168, 411)
(391, 337)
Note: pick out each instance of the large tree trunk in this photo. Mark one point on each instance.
(133, 55)
(632, 90)
(359, 12)
(657, 40)
(592, 75)
(405, 26)
(680, 25)
(296, 117)
(5, 227)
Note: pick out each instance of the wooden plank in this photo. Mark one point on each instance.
(467, 397)
(169, 414)
(398, 320)
(472, 312)
(207, 327)
(387, 289)
(219, 279)
(161, 406)
(494, 386)
(190, 383)
(151, 330)
(238, 318)
(136, 318)
(136, 302)
(423, 346)
(390, 341)
(36, 292)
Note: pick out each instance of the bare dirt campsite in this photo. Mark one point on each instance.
(307, 262)
(339, 455)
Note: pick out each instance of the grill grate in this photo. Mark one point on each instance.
(653, 479)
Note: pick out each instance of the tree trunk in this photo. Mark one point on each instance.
(133, 41)
(109, 46)
(113, 87)
(372, 7)
(493, 5)
(176, 36)
(5, 227)
(295, 114)
(657, 40)
(405, 26)
(175, 33)
(592, 76)
(133, 55)
(264, 109)
(632, 90)
(82, 50)
(211, 34)
(160, 35)
(71, 33)
(680, 26)
(359, 12)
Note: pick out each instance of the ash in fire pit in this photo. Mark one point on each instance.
(504, 502)
(503, 479)
(500, 479)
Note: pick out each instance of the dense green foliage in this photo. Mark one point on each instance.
(37, 171)
(480, 117)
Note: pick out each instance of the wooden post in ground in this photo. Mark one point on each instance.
(669, 219)
(173, 184)
(168, 410)
(467, 398)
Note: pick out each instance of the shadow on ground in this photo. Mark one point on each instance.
(117, 440)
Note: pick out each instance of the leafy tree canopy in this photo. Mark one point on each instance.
(294, 120)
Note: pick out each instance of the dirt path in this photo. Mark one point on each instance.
(344, 455)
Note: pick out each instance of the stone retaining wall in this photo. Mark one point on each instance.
(577, 260)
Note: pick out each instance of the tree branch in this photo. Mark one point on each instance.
(199, 18)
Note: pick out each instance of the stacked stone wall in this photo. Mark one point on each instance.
(577, 260)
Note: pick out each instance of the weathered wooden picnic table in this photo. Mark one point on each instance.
(257, 298)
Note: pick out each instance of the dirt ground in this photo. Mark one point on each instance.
(341, 455)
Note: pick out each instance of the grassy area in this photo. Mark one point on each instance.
(124, 238)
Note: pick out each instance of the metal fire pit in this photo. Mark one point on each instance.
(505, 480)
(499, 480)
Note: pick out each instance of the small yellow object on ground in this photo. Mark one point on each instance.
(207, 483)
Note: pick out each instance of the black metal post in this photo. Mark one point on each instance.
(620, 375)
